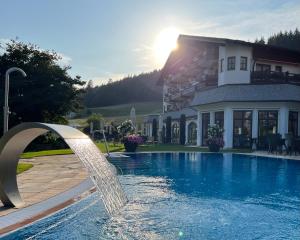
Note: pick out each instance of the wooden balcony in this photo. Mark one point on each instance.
(271, 77)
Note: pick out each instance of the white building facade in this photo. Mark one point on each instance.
(250, 90)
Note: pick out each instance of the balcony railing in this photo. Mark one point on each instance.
(271, 77)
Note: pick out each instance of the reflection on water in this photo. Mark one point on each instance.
(189, 196)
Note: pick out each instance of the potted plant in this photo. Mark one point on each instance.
(215, 138)
(131, 142)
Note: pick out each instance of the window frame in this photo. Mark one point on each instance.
(243, 119)
(231, 64)
(244, 66)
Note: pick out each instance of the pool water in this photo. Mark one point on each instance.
(188, 196)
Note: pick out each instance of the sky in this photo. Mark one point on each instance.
(104, 40)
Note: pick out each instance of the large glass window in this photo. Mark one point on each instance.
(263, 67)
(205, 123)
(267, 124)
(219, 119)
(192, 133)
(231, 63)
(293, 123)
(243, 63)
(175, 133)
(242, 129)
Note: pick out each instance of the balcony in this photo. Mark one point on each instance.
(271, 77)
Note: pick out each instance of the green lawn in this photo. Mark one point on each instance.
(112, 148)
(141, 108)
(22, 167)
(120, 113)
(120, 148)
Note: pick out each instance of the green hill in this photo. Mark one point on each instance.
(141, 108)
(139, 88)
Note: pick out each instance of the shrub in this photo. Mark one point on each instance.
(215, 137)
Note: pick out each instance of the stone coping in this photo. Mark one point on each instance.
(30, 214)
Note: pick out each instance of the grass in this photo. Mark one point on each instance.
(141, 108)
(111, 147)
(143, 148)
(22, 167)
(120, 113)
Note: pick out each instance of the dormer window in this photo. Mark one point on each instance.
(230, 63)
(243, 64)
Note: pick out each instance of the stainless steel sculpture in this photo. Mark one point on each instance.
(13, 143)
(6, 94)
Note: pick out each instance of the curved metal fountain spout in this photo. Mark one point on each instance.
(13, 143)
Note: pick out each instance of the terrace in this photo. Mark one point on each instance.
(271, 77)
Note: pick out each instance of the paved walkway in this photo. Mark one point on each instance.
(49, 176)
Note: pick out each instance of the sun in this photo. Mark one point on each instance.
(165, 42)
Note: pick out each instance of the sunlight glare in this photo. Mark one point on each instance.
(165, 42)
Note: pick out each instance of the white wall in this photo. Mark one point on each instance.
(236, 76)
(283, 109)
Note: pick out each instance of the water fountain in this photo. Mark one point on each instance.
(13, 143)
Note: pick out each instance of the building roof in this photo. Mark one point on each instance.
(260, 51)
(248, 93)
(188, 112)
(149, 118)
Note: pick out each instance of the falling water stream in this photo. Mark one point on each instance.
(101, 173)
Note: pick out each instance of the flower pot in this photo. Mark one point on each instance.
(214, 147)
(130, 147)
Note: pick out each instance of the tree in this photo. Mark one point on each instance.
(48, 92)
(140, 88)
(260, 41)
(182, 129)
(168, 129)
(95, 119)
(286, 39)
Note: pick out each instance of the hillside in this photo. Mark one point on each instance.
(140, 88)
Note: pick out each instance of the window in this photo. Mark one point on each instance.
(263, 67)
(242, 128)
(243, 63)
(205, 123)
(231, 63)
(267, 124)
(293, 123)
(219, 119)
(175, 133)
(278, 68)
(221, 64)
(192, 133)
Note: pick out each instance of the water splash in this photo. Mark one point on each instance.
(101, 173)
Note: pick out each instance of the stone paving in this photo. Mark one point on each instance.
(49, 176)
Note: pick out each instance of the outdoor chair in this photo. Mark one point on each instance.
(275, 143)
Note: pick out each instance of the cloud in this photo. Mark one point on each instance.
(64, 60)
(3, 42)
(249, 24)
(106, 77)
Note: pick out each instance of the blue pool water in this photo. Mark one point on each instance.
(188, 196)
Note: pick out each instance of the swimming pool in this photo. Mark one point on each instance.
(188, 196)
